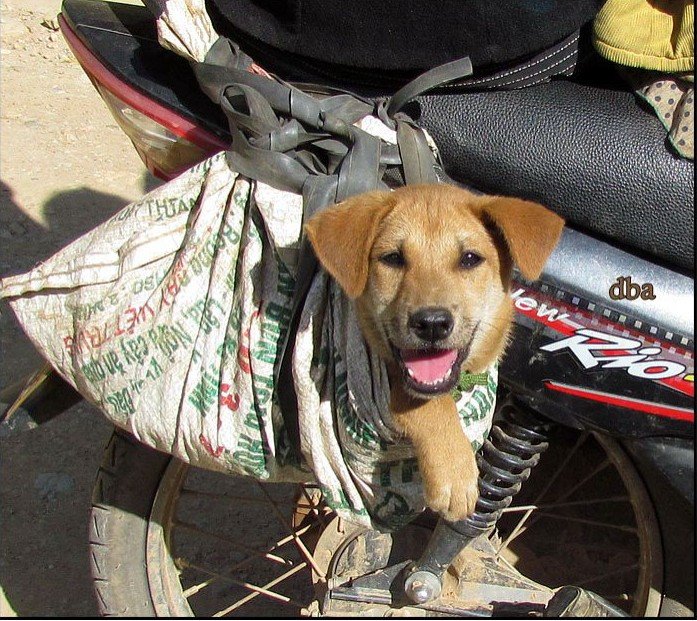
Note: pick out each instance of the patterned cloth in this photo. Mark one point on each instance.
(672, 98)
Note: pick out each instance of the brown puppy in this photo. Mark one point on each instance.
(429, 268)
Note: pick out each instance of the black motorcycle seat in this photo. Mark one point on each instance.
(591, 154)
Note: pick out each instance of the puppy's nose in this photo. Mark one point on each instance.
(432, 324)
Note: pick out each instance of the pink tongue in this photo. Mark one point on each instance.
(429, 367)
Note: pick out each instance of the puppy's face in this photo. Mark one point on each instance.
(436, 293)
(429, 267)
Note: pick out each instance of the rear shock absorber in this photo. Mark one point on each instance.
(513, 448)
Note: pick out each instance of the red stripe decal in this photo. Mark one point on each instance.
(666, 411)
(568, 327)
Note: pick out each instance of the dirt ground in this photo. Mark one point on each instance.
(64, 168)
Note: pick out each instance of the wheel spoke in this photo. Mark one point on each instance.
(195, 588)
(237, 499)
(268, 585)
(303, 549)
(568, 518)
(256, 590)
(181, 563)
(554, 499)
(534, 518)
(571, 503)
(561, 505)
(604, 464)
(233, 542)
(614, 572)
(579, 443)
(518, 527)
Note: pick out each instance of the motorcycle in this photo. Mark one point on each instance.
(587, 476)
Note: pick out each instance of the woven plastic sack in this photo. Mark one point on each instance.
(170, 317)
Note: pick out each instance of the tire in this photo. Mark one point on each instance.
(138, 498)
(122, 500)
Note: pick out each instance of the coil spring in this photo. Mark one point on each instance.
(513, 448)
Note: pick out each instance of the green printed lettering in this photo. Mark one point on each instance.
(336, 499)
(230, 280)
(134, 350)
(168, 339)
(263, 389)
(239, 198)
(203, 166)
(169, 207)
(155, 371)
(278, 313)
(341, 387)
(229, 235)
(181, 334)
(265, 352)
(205, 394)
(250, 452)
(235, 320)
(88, 310)
(393, 511)
(228, 346)
(127, 212)
(286, 282)
(203, 314)
(112, 363)
(203, 257)
(94, 371)
(274, 325)
(483, 402)
(121, 402)
(148, 283)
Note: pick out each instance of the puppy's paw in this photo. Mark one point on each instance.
(451, 486)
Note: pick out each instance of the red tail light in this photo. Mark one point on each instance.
(167, 142)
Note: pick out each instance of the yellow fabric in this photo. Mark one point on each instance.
(651, 34)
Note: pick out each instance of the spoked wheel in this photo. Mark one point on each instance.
(170, 540)
(585, 518)
(230, 546)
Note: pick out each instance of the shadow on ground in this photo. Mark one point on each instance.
(46, 474)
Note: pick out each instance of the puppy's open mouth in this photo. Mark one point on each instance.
(430, 371)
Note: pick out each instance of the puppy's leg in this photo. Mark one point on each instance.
(446, 459)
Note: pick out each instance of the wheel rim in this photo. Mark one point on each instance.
(267, 564)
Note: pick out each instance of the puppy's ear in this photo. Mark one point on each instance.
(342, 237)
(531, 231)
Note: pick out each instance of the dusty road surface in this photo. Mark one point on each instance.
(64, 168)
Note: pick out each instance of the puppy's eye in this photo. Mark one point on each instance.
(468, 260)
(393, 259)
